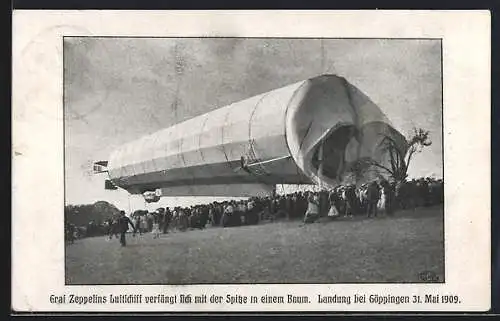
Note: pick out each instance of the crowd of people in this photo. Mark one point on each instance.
(348, 200)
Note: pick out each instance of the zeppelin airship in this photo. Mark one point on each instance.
(309, 132)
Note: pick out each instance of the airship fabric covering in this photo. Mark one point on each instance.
(278, 133)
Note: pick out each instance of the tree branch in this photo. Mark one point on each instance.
(393, 143)
(410, 155)
(391, 155)
(374, 163)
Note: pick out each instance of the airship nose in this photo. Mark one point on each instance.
(329, 125)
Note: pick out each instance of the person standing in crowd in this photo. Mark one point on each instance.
(288, 206)
(134, 222)
(180, 217)
(70, 233)
(114, 228)
(363, 198)
(149, 219)
(156, 225)
(167, 218)
(323, 203)
(160, 213)
(211, 214)
(196, 218)
(382, 201)
(144, 222)
(183, 218)
(227, 215)
(176, 218)
(373, 195)
(303, 202)
(334, 198)
(137, 224)
(389, 197)
(312, 212)
(294, 205)
(350, 200)
(272, 208)
(242, 208)
(333, 212)
(109, 228)
(253, 215)
(123, 223)
(281, 208)
(204, 216)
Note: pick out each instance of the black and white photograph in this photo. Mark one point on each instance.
(185, 162)
(236, 160)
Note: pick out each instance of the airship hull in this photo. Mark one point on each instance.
(278, 137)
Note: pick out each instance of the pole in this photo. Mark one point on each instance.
(320, 167)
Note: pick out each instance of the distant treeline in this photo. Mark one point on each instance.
(81, 215)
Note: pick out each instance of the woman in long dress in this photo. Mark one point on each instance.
(333, 212)
(312, 212)
(144, 223)
(156, 226)
(135, 221)
(382, 201)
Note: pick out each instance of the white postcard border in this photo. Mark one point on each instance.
(38, 184)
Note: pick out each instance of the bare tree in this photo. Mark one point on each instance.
(399, 159)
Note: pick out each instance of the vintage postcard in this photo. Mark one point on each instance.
(229, 161)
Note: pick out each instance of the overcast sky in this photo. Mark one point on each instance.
(118, 89)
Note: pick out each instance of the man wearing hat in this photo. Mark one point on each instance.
(373, 195)
(123, 222)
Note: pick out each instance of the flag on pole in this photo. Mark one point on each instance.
(100, 167)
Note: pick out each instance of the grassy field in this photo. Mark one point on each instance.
(382, 249)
